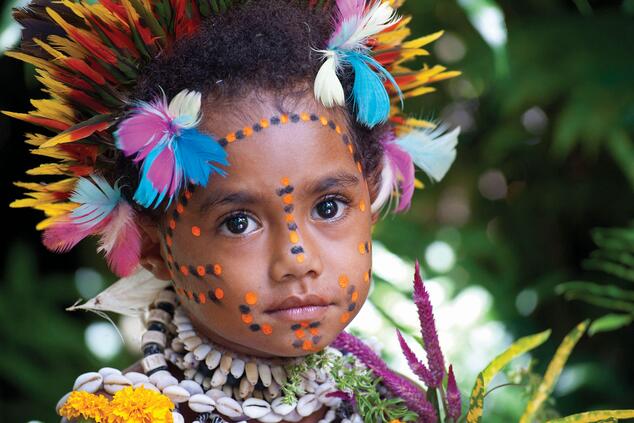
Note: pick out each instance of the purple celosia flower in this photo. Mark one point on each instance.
(435, 358)
(341, 394)
(453, 396)
(403, 388)
(414, 363)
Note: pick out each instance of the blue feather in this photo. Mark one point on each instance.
(195, 152)
(146, 194)
(371, 99)
(96, 199)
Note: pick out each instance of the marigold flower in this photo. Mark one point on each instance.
(86, 405)
(140, 405)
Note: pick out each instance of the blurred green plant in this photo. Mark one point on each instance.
(614, 257)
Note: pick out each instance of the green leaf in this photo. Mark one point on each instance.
(553, 371)
(595, 416)
(610, 322)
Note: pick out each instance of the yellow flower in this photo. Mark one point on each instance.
(140, 405)
(86, 405)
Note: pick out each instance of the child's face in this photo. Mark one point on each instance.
(291, 219)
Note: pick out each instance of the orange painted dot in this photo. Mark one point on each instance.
(300, 334)
(247, 318)
(202, 298)
(284, 118)
(231, 137)
(287, 198)
(184, 270)
(307, 345)
(304, 116)
(289, 218)
(350, 149)
(314, 331)
(366, 277)
(293, 237)
(264, 123)
(362, 205)
(219, 293)
(168, 240)
(344, 317)
(195, 231)
(190, 295)
(343, 281)
(323, 120)
(354, 296)
(248, 131)
(338, 129)
(172, 224)
(217, 269)
(251, 298)
(170, 258)
(188, 194)
(180, 208)
(200, 270)
(361, 248)
(304, 324)
(285, 181)
(267, 329)
(300, 258)
(359, 168)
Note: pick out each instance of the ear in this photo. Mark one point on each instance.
(151, 256)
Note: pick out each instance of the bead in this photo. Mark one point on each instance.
(152, 362)
(153, 337)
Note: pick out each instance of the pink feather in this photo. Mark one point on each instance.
(121, 240)
(139, 132)
(164, 173)
(402, 166)
(62, 236)
(350, 8)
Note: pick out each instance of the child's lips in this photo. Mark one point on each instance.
(308, 312)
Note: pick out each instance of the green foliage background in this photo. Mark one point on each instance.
(569, 62)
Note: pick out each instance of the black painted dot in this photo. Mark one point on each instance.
(314, 117)
(289, 208)
(176, 214)
(352, 306)
(331, 124)
(292, 226)
(244, 308)
(254, 327)
(296, 326)
(297, 249)
(316, 339)
(297, 343)
(196, 299)
(169, 231)
(223, 142)
(295, 118)
(257, 127)
(275, 120)
(351, 289)
(193, 270)
(209, 269)
(212, 296)
(346, 139)
(239, 134)
(184, 200)
(288, 189)
(314, 324)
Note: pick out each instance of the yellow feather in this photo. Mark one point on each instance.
(419, 42)
(50, 50)
(35, 139)
(48, 169)
(68, 46)
(418, 91)
(52, 152)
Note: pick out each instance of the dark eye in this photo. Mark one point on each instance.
(238, 224)
(328, 209)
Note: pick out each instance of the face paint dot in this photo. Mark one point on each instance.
(307, 345)
(294, 238)
(168, 240)
(248, 131)
(366, 277)
(231, 137)
(285, 181)
(289, 218)
(361, 248)
(284, 118)
(195, 231)
(350, 149)
(338, 129)
(267, 329)
(299, 334)
(314, 331)
(184, 270)
(170, 258)
(304, 116)
(343, 281)
(247, 318)
(362, 205)
(190, 295)
(355, 296)
(180, 208)
(202, 298)
(200, 270)
(188, 194)
(287, 198)
(323, 120)
(217, 269)
(219, 293)
(251, 298)
(344, 317)
(359, 168)
(304, 324)
(172, 224)
(300, 258)
(264, 123)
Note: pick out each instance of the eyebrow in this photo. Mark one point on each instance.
(337, 180)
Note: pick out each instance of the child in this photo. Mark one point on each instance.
(232, 158)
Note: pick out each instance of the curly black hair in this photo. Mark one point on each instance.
(263, 45)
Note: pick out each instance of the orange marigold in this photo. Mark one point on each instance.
(140, 405)
(86, 405)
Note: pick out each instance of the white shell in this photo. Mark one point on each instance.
(225, 363)
(229, 407)
(147, 385)
(215, 394)
(115, 382)
(192, 387)
(61, 402)
(105, 371)
(89, 382)
(213, 359)
(251, 370)
(293, 416)
(245, 388)
(271, 418)
(201, 403)
(356, 418)
(273, 389)
(190, 373)
(163, 380)
(219, 378)
(176, 393)
(279, 374)
(177, 417)
(307, 404)
(282, 409)
(330, 416)
(192, 342)
(201, 351)
(323, 389)
(136, 377)
(237, 368)
(255, 408)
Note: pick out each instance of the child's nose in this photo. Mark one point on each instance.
(294, 255)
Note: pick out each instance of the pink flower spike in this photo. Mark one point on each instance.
(453, 396)
(435, 357)
(417, 367)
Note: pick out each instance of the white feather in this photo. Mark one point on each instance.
(386, 187)
(328, 89)
(129, 296)
(185, 108)
(380, 16)
(431, 150)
